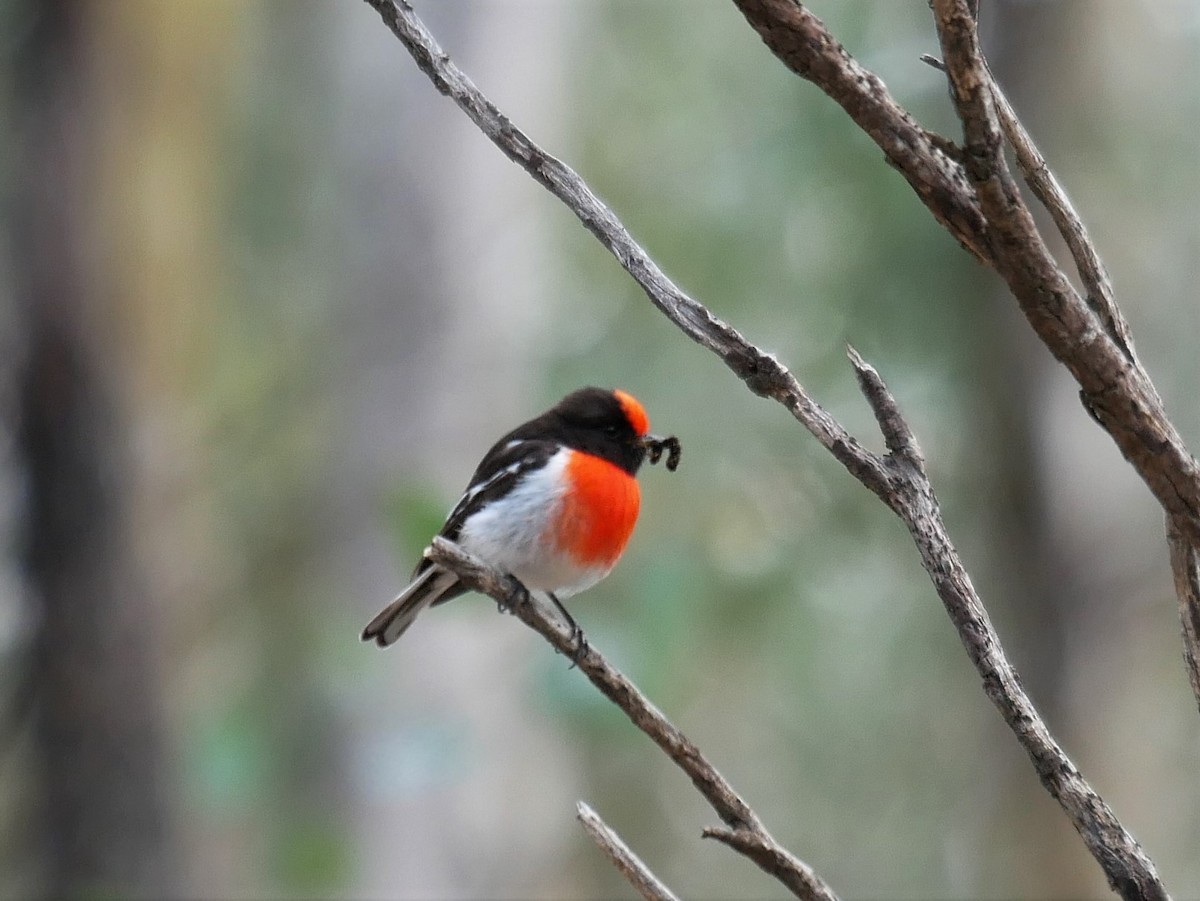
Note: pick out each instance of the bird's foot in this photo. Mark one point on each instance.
(577, 637)
(581, 647)
(517, 595)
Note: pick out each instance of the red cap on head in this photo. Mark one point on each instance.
(634, 412)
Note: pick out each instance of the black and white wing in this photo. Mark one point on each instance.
(502, 468)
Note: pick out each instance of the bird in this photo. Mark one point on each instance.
(553, 502)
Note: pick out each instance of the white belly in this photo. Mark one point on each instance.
(511, 534)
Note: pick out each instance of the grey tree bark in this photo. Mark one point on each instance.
(103, 822)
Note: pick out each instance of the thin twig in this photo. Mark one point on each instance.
(1047, 189)
(1053, 196)
(899, 479)
(1185, 567)
(644, 882)
(749, 843)
(508, 592)
(511, 595)
(898, 436)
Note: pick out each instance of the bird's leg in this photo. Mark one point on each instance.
(576, 632)
(518, 594)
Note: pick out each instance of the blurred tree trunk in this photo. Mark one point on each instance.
(97, 726)
(1049, 595)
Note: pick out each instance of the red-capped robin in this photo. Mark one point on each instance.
(553, 502)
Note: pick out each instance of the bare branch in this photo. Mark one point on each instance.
(1185, 567)
(1053, 196)
(768, 856)
(926, 160)
(762, 373)
(635, 872)
(512, 596)
(1089, 334)
(1130, 872)
(899, 479)
(972, 195)
(898, 436)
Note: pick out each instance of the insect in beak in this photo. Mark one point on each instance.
(655, 446)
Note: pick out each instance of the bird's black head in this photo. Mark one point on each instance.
(608, 423)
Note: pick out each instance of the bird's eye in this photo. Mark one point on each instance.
(611, 430)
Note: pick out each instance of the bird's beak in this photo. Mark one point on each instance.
(654, 446)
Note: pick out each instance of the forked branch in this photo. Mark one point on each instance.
(1130, 872)
(511, 595)
(898, 478)
(976, 200)
(970, 192)
(1089, 335)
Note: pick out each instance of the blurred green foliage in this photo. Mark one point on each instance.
(771, 606)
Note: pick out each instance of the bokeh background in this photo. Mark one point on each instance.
(265, 297)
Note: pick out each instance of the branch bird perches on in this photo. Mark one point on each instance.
(980, 207)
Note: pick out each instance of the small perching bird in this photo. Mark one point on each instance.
(553, 502)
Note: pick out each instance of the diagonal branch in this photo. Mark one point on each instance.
(926, 160)
(1101, 300)
(762, 373)
(899, 479)
(1130, 872)
(1059, 315)
(748, 843)
(644, 882)
(1053, 197)
(511, 595)
(1090, 338)
(898, 436)
(1047, 189)
(1185, 567)
(971, 194)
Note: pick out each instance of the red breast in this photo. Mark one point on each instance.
(599, 510)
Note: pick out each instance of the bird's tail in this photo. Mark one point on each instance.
(390, 623)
